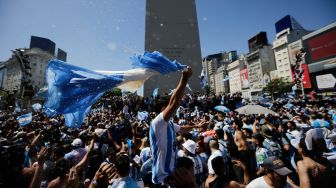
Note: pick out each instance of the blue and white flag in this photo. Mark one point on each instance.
(155, 92)
(142, 115)
(204, 79)
(226, 78)
(188, 86)
(73, 90)
(25, 119)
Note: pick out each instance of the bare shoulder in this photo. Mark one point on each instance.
(302, 166)
(54, 183)
(234, 184)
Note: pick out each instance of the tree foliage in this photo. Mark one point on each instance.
(277, 87)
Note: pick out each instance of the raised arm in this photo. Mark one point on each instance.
(81, 165)
(176, 98)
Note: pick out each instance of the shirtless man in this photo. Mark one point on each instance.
(312, 171)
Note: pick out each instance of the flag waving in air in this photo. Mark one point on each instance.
(73, 90)
(204, 79)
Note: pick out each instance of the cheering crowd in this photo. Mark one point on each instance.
(174, 141)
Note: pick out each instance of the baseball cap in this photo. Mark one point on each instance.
(277, 165)
(77, 142)
(190, 145)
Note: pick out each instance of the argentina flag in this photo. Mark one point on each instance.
(72, 90)
(25, 119)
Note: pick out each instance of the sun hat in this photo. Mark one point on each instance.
(190, 145)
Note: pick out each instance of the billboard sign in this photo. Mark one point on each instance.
(244, 78)
(324, 81)
(323, 46)
(305, 76)
(293, 49)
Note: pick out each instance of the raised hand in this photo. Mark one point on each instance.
(73, 178)
(187, 72)
(42, 155)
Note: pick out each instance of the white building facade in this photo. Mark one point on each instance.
(234, 75)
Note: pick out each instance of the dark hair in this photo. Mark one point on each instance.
(313, 116)
(239, 123)
(123, 165)
(318, 147)
(184, 162)
(220, 133)
(218, 166)
(292, 123)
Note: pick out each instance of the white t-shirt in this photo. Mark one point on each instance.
(261, 183)
(212, 156)
(162, 135)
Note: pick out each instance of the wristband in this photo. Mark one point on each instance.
(94, 182)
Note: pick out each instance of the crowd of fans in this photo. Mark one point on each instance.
(186, 144)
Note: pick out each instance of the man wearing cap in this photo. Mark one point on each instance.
(77, 153)
(189, 150)
(275, 175)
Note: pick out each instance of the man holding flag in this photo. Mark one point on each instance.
(163, 135)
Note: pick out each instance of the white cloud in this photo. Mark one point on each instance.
(205, 18)
(112, 46)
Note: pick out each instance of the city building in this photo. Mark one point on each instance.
(260, 62)
(3, 75)
(39, 60)
(14, 73)
(25, 72)
(61, 55)
(43, 44)
(221, 86)
(234, 76)
(288, 30)
(216, 68)
(320, 47)
(176, 36)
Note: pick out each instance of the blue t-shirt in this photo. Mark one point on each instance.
(319, 123)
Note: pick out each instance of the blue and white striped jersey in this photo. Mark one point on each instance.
(163, 147)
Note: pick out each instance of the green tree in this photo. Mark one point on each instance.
(278, 86)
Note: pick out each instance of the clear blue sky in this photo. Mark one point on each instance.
(103, 34)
